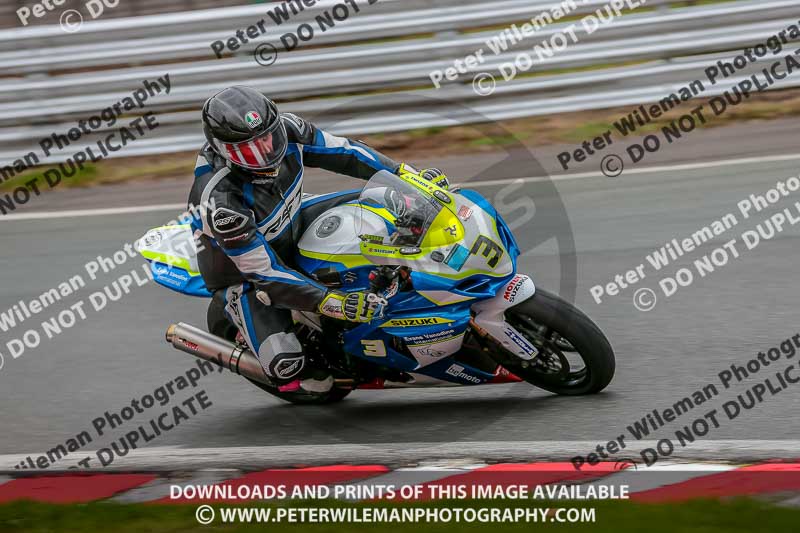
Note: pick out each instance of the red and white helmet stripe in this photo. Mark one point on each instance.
(251, 154)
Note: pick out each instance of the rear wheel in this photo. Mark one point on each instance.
(574, 356)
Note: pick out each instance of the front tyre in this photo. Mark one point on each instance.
(574, 356)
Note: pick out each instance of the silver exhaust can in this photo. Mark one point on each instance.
(208, 347)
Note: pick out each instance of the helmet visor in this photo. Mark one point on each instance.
(262, 152)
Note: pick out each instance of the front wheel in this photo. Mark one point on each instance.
(574, 356)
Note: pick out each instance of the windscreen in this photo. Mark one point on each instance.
(408, 211)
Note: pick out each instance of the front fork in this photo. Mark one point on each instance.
(489, 319)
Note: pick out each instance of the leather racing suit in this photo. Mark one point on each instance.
(248, 227)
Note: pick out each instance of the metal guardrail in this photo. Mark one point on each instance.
(129, 8)
(672, 44)
(715, 22)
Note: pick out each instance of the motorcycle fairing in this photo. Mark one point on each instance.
(429, 321)
(172, 254)
(465, 238)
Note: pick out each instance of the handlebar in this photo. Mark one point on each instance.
(382, 278)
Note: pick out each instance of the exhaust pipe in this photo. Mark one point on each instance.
(208, 347)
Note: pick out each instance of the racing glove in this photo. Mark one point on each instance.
(356, 306)
(431, 174)
(436, 176)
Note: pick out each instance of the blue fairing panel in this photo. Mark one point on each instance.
(457, 372)
(179, 280)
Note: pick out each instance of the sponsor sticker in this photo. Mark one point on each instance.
(290, 367)
(438, 336)
(382, 251)
(253, 120)
(237, 238)
(333, 309)
(457, 257)
(192, 346)
(227, 221)
(407, 322)
(513, 288)
(374, 239)
(169, 273)
(431, 351)
(153, 237)
(527, 348)
(458, 371)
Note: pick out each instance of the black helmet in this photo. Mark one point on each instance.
(244, 127)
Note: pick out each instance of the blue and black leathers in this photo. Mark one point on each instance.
(249, 226)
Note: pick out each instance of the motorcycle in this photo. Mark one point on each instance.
(450, 307)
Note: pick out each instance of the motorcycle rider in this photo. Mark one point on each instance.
(249, 186)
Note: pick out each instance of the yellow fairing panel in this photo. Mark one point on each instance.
(446, 229)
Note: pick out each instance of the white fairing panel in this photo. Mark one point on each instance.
(489, 316)
(429, 353)
(338, 230)
(176, 242)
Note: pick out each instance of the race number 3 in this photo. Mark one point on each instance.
(488, 249)
(374, 348)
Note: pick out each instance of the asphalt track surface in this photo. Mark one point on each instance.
(54, 391)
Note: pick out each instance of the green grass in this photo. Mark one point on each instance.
(85, 176)
(499, 140)
(108, 171)
(698, 516)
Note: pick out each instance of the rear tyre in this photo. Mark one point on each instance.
(574, 357)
